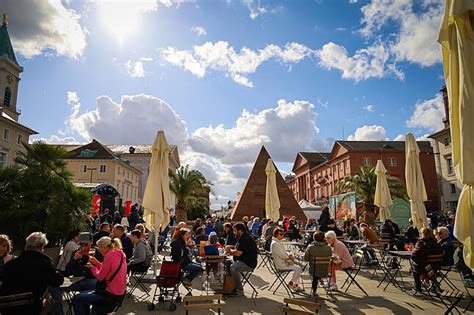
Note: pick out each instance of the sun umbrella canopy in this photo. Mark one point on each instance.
(415, 185)
(382, 199)
(457, 39)
(156, 199)
(272, 201)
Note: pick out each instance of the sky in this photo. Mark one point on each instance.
(222, 78)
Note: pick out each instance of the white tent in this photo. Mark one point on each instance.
(310, 210)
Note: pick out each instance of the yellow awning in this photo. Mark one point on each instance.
(156, 199)
(415, 185)
(457, 40)
(382, 198)
(272, 201)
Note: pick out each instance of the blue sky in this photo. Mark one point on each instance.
(303, 71)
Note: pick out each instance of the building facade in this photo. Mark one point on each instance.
(12, 133)
(94, 163)
(317, 176)
(448, 184)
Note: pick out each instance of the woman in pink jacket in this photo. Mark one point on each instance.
(340, 255)
(113, 270)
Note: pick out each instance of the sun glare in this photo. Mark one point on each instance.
(122, 17)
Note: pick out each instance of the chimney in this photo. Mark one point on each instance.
(446, 106)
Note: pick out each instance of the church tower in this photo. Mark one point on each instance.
(9, 73)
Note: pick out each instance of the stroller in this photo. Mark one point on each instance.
(168, 282)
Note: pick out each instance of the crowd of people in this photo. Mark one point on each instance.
(116, 246)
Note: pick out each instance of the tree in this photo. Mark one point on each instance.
(38, 195)
(363, 185)
(186, 185)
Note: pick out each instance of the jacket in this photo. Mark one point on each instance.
(448, 248)
(323, 221)
(68, 251)
(180, 252)
(369, 235)
(317, 249)
(33, 272)
(279, 254)
(141, 253)
(105, 270)
(339, 249)
(423, 248)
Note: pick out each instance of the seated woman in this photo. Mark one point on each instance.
(113, 271)
(283, 260)
(68, 251)
(180, 253)
(370, 236)
(341, 257)
(5, 254)
(310, 225)
(200, 235)
(319, 248)
(179, 226)
(212, 249)
(142, 254)
(293, 232)
(352, 232)
(426, 246)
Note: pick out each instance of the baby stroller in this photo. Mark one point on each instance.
(168, 282)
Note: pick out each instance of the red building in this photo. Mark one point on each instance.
(316, 174)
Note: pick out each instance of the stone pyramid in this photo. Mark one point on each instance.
(252, 200)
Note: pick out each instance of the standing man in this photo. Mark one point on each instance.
(244, 255)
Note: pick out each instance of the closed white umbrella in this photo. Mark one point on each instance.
(272, 201)
(156, 199)
(382, 199)
(415, 185)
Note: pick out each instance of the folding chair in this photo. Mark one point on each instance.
(212, 264)
(281, 276)
(352, 272)
(246, 280)
(387, 264)
(307, 308)
(467, 287)
(263, 259)
(324, 263)
(16, 301)
(208, 302)
(443, 276)
(135, 281)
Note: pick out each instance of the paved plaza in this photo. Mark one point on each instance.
(391, 301)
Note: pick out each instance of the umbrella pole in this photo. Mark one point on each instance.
(156, 253)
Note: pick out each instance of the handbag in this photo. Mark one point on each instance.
(102, 285)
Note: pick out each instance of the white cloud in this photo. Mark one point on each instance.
(136, 69)
(428, 114)
(54, 139)
(400, 137)
(241, 143)
(369, 108)
(199, 30)
(255, 8)
(416, 37)
(220, 56)
(369, 133)
(366, 63)
(136, 119)
(45, 27)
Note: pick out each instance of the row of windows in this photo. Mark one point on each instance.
(84, 169)
(123, 171)
(367, 161)
(6, 136)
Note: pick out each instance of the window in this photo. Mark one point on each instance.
(83, 168)
(392, 162)
(453, 188)
(6, 134)
(19, 139)
(366, 161)
(341, 166)
(446, 141)
(3, 158)
(102, 169)
(449, 165)
(7, 98)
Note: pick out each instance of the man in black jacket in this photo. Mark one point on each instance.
(443, 240)
(245, 256)
(228, 238)
(104, 230)
(32, 272)
(127, 244)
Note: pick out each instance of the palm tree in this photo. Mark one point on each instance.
(363, 185)
(186, 184)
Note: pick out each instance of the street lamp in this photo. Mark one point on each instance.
(92, 170)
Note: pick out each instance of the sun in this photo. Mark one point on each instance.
(122, 17)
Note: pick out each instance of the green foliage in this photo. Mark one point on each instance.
(197, 207)
(186, 183)
(39, 196)
(364, 183)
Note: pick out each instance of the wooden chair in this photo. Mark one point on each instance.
(306, 307)
(15, 300)
(324, 262)
(204, 302)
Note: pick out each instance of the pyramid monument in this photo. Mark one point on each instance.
(252, 200)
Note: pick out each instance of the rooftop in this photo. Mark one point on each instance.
(6, 47)
(386, 146)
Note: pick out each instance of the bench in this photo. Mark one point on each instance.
(14, 300)
(306, 307)
(203, 302)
